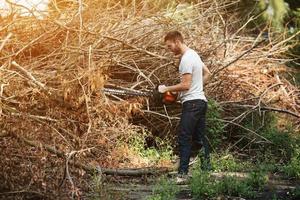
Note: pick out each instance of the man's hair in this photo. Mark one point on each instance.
(174, 35)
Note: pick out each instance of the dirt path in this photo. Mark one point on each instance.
(141, 188)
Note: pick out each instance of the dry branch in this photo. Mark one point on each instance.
(28, 75)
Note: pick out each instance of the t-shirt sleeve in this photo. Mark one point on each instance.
(185, 66)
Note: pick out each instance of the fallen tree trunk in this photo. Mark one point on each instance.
(94, 169)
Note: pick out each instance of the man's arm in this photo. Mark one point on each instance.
(206, 75)
(185, 84)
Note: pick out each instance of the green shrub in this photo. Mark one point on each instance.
(202, 186)
(215, 126)
(227, 162)
(281, 145)
(296, 193)
(268, 166)
(292, 169)
(257, 180)
(162, 151)
(232, 186)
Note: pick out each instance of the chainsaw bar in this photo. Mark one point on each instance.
(124, 92)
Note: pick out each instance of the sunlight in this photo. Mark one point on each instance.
(24, 7)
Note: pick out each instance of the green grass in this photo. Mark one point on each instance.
(232, 186)
(165, 189)
(204, 186)
(227, 162)
(257, 180)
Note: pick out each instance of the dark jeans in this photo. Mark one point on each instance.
(192, 130)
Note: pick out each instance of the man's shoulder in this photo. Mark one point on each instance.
(192, 53)
(190, 57)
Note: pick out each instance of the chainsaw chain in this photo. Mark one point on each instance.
(124, 92)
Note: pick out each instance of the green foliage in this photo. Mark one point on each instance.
(162, 151)
(202, 185)
(296, 193)
(227, 162)
(215, 127)
(292, 169)
(272, 12)
(257, 179)
(282, 144)
(276, 12)
(268, 166)
(294, 51)
(232, 186)
(282, 15)
(164, 190)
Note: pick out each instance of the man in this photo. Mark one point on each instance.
(193, 74)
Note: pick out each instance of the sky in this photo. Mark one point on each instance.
(40, 5)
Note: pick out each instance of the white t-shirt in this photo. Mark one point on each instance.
(191, 63)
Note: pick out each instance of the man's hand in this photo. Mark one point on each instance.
(162, 89)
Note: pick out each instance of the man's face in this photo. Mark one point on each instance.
(174, 46)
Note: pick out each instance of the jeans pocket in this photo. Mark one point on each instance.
(189, 107)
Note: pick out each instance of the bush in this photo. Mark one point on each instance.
(292, 169)
(227, 162)
(232, 186)
(257, 180)
(163, 150)
(296, 193)
(215, 127)
(282, 143)
(202, 185)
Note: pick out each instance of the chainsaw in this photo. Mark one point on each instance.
(154, 95)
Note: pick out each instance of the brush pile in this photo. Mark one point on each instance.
(52, 110)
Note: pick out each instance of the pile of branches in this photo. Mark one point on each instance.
(54, 114)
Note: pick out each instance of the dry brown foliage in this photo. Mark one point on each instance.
(52, 71)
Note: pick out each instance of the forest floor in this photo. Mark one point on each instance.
(142, 188)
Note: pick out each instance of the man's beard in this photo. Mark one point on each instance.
(177, 51)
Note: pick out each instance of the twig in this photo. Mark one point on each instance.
(29, 75)
(5, 40)
(271, 109)
(238, 57)
(138, 49)
(249, 130)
